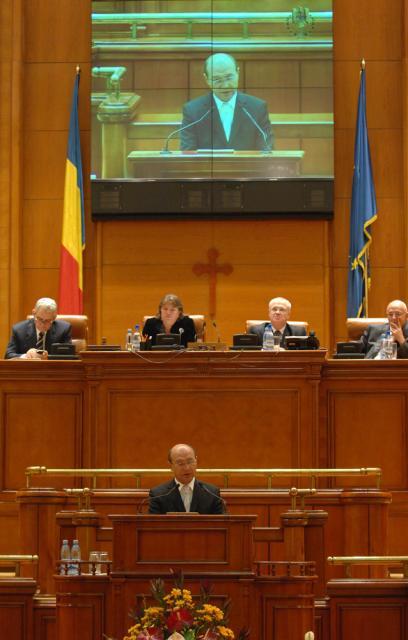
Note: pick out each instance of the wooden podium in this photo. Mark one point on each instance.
(217, 164)
(217, 548)
(214, 549)
(191, 542)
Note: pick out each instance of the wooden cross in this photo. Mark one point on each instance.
(212, 268)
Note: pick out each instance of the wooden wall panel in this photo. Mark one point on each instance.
(9, 538)
(10, 150)
(358, 27)
(369, 411)
(216, 418)
(67, 37)
(45, 428)
(277, 260)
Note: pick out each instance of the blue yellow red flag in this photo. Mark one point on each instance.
(70, 300)
(363, 213)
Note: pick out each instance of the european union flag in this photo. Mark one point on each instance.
(363, 213)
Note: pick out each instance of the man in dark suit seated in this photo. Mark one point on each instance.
(396, 329)
(185, 493)
(225, 118)
(32, 339)
(279, 314)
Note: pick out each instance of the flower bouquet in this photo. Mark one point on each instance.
(175, 616)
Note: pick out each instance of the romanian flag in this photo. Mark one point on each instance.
(363, 214)
(73, 224)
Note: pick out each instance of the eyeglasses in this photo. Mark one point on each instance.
(218, 81)
(44, 320)
(397, 314)
(185, 463)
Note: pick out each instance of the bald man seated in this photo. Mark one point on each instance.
(396, 329)
(184, 493)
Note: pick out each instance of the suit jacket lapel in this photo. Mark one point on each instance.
(237, 122)
(217, 129)
(195, 497)
(287, 332)
(50, 337)
(31, 335)
(176, 500)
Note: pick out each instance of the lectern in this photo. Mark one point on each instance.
(217, 549)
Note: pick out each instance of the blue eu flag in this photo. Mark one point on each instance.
(363, 213)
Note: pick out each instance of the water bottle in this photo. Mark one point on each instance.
(65, 556)
(386, 347)
(268, 341)
(136, 339)
(75, 555)
(128, 343)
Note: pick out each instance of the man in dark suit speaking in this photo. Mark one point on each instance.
(185, 493)
(279, 314)
(32, 339)
(225, 118)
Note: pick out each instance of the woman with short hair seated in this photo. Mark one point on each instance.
(170, 319)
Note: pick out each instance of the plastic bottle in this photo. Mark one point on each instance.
(75, 555)
(136, 338)
(65, 556)
(268, 341)
(128, 342)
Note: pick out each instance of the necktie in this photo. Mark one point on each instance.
(40, 341)
(185, 492)
(277, 333)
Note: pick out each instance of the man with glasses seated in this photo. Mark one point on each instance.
(279, 314)
(31, 339)
(225, 118)
(184, 492)
(396, 329)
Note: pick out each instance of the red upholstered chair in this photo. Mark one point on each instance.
(357, 326)
(295, 323)
(199, 323)
(79, 331)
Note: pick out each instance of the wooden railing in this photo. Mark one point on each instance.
(269, 474)
(349, 561)
(13, 562)
(189, 19)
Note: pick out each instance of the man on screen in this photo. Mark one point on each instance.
(225, 118)
(185, 493)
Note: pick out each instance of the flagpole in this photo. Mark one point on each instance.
(364, 311)
(363, 211)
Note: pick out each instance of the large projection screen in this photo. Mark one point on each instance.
(217, 93)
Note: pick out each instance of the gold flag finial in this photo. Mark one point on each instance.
(78, 69)
(363, 64)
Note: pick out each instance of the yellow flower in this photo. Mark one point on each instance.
(225, 632)
(211, 612)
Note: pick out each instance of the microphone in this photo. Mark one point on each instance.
(165, 149)
(161, 495)
(181, 331)
(214, 495)
(266, 148)
(214, 324)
